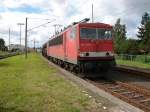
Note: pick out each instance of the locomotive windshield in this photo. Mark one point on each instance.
(95, 33)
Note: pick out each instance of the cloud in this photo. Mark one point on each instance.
(65, 12)
(139, 7)
(0, 17)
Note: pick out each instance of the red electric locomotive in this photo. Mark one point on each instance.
(82, 47)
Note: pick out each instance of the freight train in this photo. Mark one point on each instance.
(82, 47)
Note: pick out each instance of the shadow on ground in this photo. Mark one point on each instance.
(2, 64)
(9, 109)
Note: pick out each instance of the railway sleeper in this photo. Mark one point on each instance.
(127, 93)
(138, 99)
(136, 96)
(145, 100)
(114, 87)
(107, 83)
(119, 90)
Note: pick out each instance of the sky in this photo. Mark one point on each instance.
(64, 12)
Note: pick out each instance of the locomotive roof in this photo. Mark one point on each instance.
(96, 25)
(99, 25)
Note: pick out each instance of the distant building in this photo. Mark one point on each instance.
(16, 47)
(39, 50)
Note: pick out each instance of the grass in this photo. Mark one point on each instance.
(133, 63)
(32, 86)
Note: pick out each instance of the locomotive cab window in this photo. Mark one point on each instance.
(88, 33)
(95, 33)
(104, 34)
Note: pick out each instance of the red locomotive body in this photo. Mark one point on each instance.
(83, 46)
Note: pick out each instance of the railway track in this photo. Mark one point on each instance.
(139, 97)
(134, 70)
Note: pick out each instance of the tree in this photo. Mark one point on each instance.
(119, 30)
(132, 47)
(146, 40)
(2, 45)
(145, 18)
(144, 33)
(120, 37)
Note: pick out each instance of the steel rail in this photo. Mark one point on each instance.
(139, 97)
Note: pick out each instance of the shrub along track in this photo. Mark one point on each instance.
(9, 55)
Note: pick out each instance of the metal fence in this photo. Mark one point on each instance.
(139, 58)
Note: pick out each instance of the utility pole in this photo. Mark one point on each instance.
(34, 41)
(20, 24)
(26, 35)
(9, 39)
(26, 49)
(92, 14)
(34, 44)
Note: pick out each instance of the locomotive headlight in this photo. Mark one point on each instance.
(82, 54)
(85, 54)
